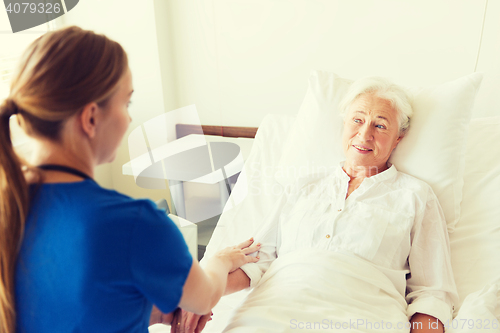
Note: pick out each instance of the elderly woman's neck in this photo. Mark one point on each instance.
(358, 173)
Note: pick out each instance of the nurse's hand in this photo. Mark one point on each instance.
(188, 322)
(238, 255)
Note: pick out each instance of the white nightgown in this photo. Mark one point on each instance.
(392, 219)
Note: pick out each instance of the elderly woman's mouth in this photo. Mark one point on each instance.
(361, 148)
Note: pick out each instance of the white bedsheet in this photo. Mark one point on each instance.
(477, 313)
(313, 290)
(317, 290)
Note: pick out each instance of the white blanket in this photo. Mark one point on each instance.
(312, 290)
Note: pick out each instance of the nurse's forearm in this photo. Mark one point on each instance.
(422, 323)
(236, 281)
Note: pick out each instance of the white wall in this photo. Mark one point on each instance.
(487, 101)
(133, 25)
(239, 60)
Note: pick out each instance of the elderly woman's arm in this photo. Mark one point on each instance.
(431, 286)
(236, 281)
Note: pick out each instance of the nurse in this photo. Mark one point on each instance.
(75, 257)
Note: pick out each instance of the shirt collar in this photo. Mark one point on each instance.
(387, 174)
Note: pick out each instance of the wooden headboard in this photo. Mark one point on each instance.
(227, 131)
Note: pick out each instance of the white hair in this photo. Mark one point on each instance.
(385, 89)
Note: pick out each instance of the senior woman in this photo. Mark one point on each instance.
(375, 213)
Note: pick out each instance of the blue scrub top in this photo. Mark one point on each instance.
(94, 260)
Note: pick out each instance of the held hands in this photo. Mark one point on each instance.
(188, 322)
(238, 255)
(158, 317)
(231, 259)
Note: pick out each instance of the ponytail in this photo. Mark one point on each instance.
(13, 210)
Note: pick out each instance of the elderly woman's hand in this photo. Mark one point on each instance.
(422, 323)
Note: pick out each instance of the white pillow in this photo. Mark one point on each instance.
(475, 244)
(433, 149)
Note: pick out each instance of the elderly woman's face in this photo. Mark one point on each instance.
(371, 132)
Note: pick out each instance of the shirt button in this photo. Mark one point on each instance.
(327, 236)
(340, 210)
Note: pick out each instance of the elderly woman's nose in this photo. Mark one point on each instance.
(365, 132)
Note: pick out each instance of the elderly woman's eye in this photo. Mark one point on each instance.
(357, 120)
(380, 126)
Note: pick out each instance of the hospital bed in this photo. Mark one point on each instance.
(462, 165)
